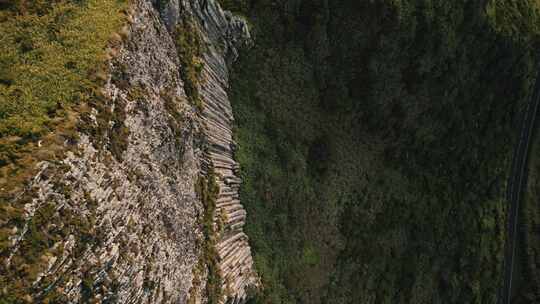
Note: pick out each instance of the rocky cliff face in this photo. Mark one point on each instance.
(119, 215)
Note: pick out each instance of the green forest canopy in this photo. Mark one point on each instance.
(375, 139)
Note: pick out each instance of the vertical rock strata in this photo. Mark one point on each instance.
(119, 214)
(222, 32)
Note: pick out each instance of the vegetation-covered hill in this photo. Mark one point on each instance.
(375, 140)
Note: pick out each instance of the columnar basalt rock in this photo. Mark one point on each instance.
(121, 206)
(223, 33)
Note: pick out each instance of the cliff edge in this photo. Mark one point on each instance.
(120, 216)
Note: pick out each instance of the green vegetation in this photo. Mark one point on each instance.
(236, 6)
(375, 139)
(52, 60)
(189, 47)
(48, 52)
(208, 190)
(52, 64)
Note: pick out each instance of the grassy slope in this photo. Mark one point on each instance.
(52, 58)
(387, 147)
(52, 61)
(47, 56)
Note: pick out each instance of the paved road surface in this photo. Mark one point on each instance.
(516, 185)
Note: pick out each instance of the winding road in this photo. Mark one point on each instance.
(516, 185)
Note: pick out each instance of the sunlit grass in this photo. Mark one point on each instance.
(48, 62)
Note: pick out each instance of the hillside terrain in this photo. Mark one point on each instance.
(264, 151)
(375, 140)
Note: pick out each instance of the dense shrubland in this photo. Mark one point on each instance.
(375, 140)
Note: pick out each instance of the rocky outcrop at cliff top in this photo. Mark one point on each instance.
(121, 207)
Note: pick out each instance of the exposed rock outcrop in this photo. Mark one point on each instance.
(120, 210)
(234, 252)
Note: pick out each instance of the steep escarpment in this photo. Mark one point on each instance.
(222, 33)
(114, 213)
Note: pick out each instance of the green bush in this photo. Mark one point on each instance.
(208, 190)
(236, 6)
(189, 48)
